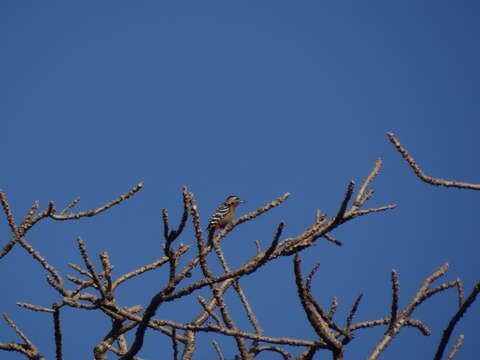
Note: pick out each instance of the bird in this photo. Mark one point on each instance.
(224, 213)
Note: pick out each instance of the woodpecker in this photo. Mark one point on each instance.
(224, 213)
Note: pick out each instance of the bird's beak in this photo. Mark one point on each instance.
(241, 201)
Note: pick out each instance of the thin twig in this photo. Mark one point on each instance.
(182, 250)
(80, 270)
(353, 310)
(455, 348)
(314, 317)
(403, 318)
(8, 212)
(395, 297)
(89, 265)
(361, 197)
(343, 207)
(70, 206)
(428, 179)
(311, 274)
(333, 308)
(36, 255)
(332, 239)
(18, 331)
(218, 350)
(35, 307)
(30, 213)
(419, 325)
(461, 298)
(101, 209)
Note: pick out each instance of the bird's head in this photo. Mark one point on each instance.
(233, 201)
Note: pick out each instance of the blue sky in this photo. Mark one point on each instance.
(254, 99)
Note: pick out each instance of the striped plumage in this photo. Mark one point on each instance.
(224, 213)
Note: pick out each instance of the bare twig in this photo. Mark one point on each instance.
(218, 350)
(419, 325)
(421, 174)
(318, 323)
(166, 226)
(28, 349)
(170, 236)
(70, 206)
(89, 265)
(455, 348)
(397, 321)
(461, 298)
(18, 331)
(80, 270)
(333, 308)
(311, 274)
(343, 207)
(8, 212)
(183, 221)
(395, 297)
(246, 335)
(361, 196)
(39, 258)
(11, 223)
(332, 239)
(182, 250)
(35, 307)
(353, 311)
(455, 319)
(99, 210)
(30, 214)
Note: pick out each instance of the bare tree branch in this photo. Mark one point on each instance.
(218, 350)
(455, 319)
(99, 210)
(8, 212)
(353, 311)
(318, 323)
(27, 348)
(96, 291)
(362, 196)
(455, 348)
(421, 174)
(395, 297)
(70, 206)
(89, 265)
(57, 332)
(403, 318)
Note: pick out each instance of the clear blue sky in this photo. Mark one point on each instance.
(254, 99)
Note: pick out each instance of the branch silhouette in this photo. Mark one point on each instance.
(94, 285)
